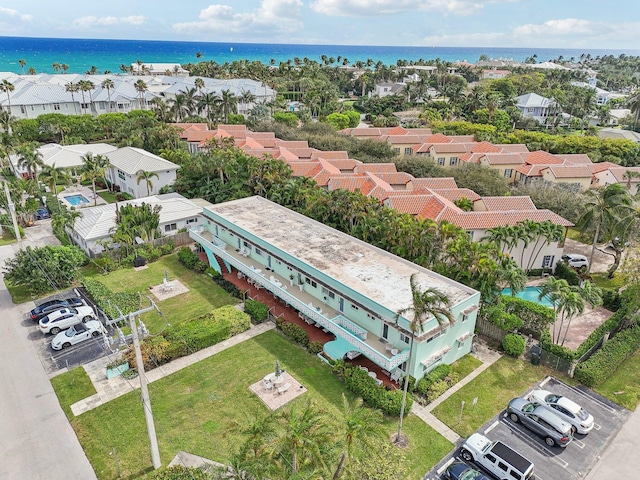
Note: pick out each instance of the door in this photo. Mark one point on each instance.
(385, 331)
(341, 304)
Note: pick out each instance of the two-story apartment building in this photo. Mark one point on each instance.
(338, 282)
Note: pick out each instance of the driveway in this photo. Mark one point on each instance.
(37, 441)
(601, 261)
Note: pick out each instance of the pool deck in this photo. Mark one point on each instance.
(85, 192)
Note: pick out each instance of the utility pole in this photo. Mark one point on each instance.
(12, 210)
(146, 402)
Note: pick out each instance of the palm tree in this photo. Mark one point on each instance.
(575, 305)
(634, 105)
(141, 88)
(108, 85)
(7, 87)
(146, 177)
(30, 159)
(85, 86)
(228, 104)
(22, 63)
(72, 88)
(603, 211)
(360, 427)
(94, 168)
(64, 67)
(56, 67)
(426, 304)
(52, 176)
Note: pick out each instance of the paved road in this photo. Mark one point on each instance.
(36, 440)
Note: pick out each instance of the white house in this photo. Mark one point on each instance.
(127, 163)
(536, 106)
(95, 225)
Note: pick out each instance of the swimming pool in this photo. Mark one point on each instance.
(75, 200)
(531, 294)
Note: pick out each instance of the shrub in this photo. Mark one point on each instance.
(188, 258)
(212, 273)
(227, 286)
(180, 472)
(315, 348)
(514, 344)
(611, 300)
(568, 273)
(376, 396)
(257, 310)
(106, 263)
(436, 389)
(563, 352)
(294, 332)
(607, 360)
(105, 299)
(435, 375)
(535, 317)
(167, 248)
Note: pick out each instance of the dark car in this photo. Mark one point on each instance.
(41, 213)
(462, 471)
(46, 308)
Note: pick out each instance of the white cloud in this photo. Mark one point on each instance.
(368, 8)
(11, 13)
(91, 21)
(271, 17)
(565, 33)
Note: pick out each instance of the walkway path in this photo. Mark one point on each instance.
(487, 357)
(109, 389)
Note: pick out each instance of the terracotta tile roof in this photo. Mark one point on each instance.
(424, 148)
(232, 128)
(561, 171)
(398, 178)
(352, 183)
(541, 158)
(449, 148)
(438, 138)
(330, 154)
(287, 155)
(434, 183)
(198, 136)
(600, 167)
(365, 132)
(486, 220)
(306, 153)
(575, 158)
(419, 131)
(251, 143)
(485, 147)
(503, 159)
(266, 139)
(531, 170)
(346, 165)
(398, 131)
(513, 147)
(405, 139)
(291, 143)
(619, 173)
(471, 157)
(462, 138)
(305, 169)
(260, 152)
(453, 194)
(508, 203)
(424, 206)
(327, 171)
(376, 168)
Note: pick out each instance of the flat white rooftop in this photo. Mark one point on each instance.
(364, 268)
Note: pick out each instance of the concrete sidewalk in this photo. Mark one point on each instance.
(487, 357)
(108, 389)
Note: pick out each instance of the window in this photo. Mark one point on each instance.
(397, 150)
(56, 106)
(408, 150)
(22, 110)
(465, 317)
(121, 174)
(170, 227)
(308, 281)
(453, 161)
(547, 260)
(192, 220)
(439, 333)
(328, 293)
(470, 233)
(441, 161)
(404, 338)
(355, 307)
(508, 172)
(259, 252)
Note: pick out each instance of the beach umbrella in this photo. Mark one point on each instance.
(278, 370)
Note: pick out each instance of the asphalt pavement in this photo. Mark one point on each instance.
(36, 440)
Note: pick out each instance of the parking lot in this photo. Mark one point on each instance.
(551, 463)
(73, 356)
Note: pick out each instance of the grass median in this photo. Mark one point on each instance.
(505, 379)
(202, 409)
(623, 386)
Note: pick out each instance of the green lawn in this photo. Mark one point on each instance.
(203, 295)
(465, 365)
(623, 386)
(202, 408)
(72, 387)
(108, 196)
(601, 280)
(19, 293)
(502, 381)
(6, 239)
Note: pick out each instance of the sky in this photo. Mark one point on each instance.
(567, 24)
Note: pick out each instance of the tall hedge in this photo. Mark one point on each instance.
(607, 360)
(535, 317)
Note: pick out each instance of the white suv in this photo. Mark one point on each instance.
(575, 260)
(65, 318)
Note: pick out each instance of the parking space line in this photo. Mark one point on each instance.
(544, 382)
(577, 391)
(444, 467)
(563, 463)
(596, 426)
(578, 443)
(492, 426)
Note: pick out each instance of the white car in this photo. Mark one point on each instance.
(77, 333)
(580, 420)
(64, 318)
(575, 260)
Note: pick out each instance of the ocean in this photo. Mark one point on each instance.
(81, 54)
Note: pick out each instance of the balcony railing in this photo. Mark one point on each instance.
(340, 326)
